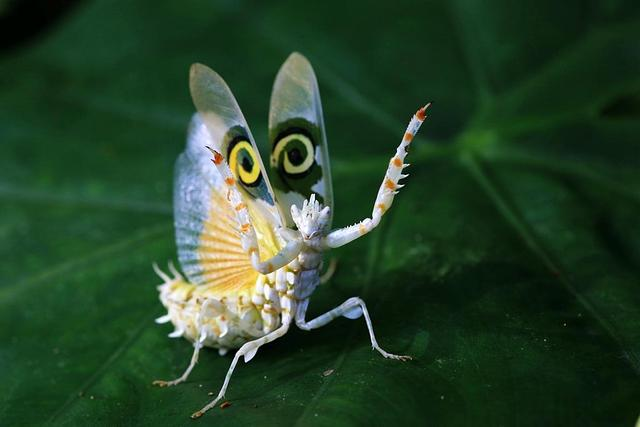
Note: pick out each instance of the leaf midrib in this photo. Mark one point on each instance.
(537, 248)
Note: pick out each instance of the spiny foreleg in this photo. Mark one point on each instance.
(388, 189)
(248, 233)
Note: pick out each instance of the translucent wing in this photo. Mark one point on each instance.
(230, 134)
(299, 153)
(207, 234)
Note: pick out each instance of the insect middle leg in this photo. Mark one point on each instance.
(352, 309)
(247, 350)
(197, 345)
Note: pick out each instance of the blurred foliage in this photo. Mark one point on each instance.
(508, 266)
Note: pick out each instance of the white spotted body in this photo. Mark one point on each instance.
(226, 321)
(252, 254)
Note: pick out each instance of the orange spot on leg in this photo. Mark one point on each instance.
(408, 137)
(217, 157)
(240, 206)
(421, 114)
(397, 162)
(230, 181)
(244, 228)
(362, 229)
(390, 184)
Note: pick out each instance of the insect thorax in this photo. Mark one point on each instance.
(312, 220)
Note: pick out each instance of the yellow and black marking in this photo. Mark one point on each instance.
(243, 162)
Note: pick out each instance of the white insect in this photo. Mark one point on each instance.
(251, 256)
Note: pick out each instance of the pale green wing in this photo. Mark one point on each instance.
(299, 153)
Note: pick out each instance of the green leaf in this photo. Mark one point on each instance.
(509, 265)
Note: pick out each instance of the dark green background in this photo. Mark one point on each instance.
(509, 266)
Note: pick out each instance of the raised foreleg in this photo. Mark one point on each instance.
(388, 189)
(352, 308)
(248, 234)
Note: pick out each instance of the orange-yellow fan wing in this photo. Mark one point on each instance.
(207, 233)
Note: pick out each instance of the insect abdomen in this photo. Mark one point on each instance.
(227, 320)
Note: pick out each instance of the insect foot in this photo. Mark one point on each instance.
(398, 357)
(161, 383)
(393, 356)
(208, 406)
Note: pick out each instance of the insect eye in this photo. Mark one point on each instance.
(294, 153)
(243, 162)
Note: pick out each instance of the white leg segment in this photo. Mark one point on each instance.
(248, 348)
(248, 234)
(352, 308)
(331, 269)
(194, 359)
(196, 345)
(388, 189)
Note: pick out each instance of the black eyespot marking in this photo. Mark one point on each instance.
(295, 157)
(247, 164)
(294, 153)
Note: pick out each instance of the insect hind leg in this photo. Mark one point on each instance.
(248, 350)
(352, 308)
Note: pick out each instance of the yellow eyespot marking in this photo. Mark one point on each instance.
(243, 163)
(295, 160)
